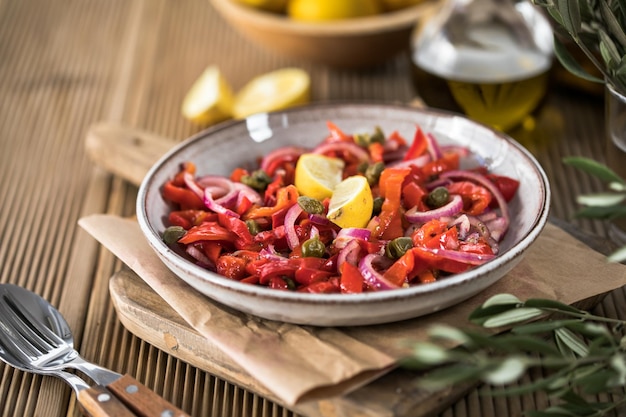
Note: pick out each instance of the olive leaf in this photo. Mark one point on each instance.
(606, 213)
(572, 341)
(619, 255)
(600, 199)
(571, 64)
(509, 317)
(613, 25)
(595, 168)
(570, 15)
(507, 371)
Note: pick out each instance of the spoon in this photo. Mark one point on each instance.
(35, 337)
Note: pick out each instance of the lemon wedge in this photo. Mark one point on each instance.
(351, 203)
(323, 10)
(273, 91)
(317, 175)
(210, 98)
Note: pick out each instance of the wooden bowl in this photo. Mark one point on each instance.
(350, 43)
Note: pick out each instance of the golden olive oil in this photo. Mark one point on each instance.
(495, 73)
(502, 105)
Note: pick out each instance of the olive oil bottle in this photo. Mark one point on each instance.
(488, 59)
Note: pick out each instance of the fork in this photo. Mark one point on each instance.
(45, 348)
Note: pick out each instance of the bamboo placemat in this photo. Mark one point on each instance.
(66, 64)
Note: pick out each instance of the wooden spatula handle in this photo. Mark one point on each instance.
(143, 401)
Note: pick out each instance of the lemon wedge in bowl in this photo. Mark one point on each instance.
(276, 90)
(317, 175)
(210, 98)
(351, 203)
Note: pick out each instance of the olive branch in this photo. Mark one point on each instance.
(584, 354)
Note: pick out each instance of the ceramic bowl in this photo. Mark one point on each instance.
(223, 147)
(349, 43)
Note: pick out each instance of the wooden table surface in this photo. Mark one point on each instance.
(67, 64)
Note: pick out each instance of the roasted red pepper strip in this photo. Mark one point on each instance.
(402, 269)
(184, 197)
(243, 237)
(475, 197)
(418, 146)
(286, 197)
(390, 218)
(188, 218)
(208, 231)
(507, 186)
(351, 279)
(336, 134)
(448, 162)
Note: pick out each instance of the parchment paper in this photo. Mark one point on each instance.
(298, 363)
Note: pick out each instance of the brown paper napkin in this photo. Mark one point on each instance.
(298, 363)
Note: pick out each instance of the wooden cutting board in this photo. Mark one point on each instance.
(130, 153)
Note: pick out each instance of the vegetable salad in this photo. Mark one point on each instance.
(429, 218)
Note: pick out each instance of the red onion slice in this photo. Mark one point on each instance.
(452, 208)
(348, 234)
(287, 154)
(433, 147)
(248, 192)
(212, 205)
(290, 226)
(374, 278)
(349, 147)
(350, 253)
(199, 256)
(218, 186)
(190, 182)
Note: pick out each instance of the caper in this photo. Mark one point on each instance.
(314, 248)
(172, 234)
(366, 139)
(378, 206)
(253, 226)
(372, 173)
(310, 205)
(291, 284)
(398, 247)
(259, 180)
(438, 197)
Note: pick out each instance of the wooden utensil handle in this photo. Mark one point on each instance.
(98, 402)
(143, 401)
(125, 151)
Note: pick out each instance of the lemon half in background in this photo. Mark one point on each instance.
(351, 203)
(276, 90)
(317, 175)
(210, 99)
(323, 10)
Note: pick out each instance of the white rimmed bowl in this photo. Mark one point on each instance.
(220, 149)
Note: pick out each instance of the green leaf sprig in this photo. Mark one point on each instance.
(608, 205)
(597, 27)
(582, 354)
